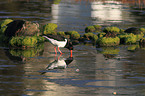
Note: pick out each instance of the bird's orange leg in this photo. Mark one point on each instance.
(59, 51)
(55, 51)
(70, 53)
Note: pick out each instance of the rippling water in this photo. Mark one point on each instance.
(93, 72)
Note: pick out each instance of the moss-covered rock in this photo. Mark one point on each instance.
(22, 28)
(110, 41)
(128, 38)
(121, 31)
(50, 28)
(97, 27)
(90, 36)
(101, 34)
(61, 33)
(111, 31)
(29, 41)
(142, 42)
(26, 41)
(142, 30)
(3, 25)
(73, 34)
(90, 29)
(139, 36)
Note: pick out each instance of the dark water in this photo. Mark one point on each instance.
(92, 72)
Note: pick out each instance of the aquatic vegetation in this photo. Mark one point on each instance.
(128, 38)
(122, 31)
(110, 41)
(50, 28)
(101, 34)
(3, 25)
(139, 36)
(142, 42)
(97, 27)
(111, 31)
(73, 34)
(29, 41)
(90, 36)
(142, 30)
(94, 28)
(90, 29)
(26, 41)
(61, 33)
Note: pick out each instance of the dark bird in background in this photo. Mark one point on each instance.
(59, 42)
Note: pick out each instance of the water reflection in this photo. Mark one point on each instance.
(59, 63)
(92, 72)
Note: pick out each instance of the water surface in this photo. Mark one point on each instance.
(93, 72)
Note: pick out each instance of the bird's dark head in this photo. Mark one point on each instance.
(69, 45)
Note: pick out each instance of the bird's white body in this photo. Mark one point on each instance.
(56, 43)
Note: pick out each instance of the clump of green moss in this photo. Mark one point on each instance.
(101, 34)
(16, 41)
(29, 41)
(128, 38)
(139, 36)
(142, 42)
(121, 31)
(40, 39)
(111, 31)
(94, 28)
(142, 30)
(97, 27)
(90, 29)
(110, 41)
(26, 41)
(3, 25)
(73, 34)
(61, 33)
(50, 28)
(90, 36)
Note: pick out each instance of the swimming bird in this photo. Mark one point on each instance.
(59, 42)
